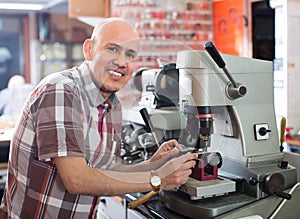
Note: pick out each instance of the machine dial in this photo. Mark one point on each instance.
(274, 184)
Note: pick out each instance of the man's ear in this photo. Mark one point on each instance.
(87, 49)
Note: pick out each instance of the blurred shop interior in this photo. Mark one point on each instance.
(39, 37)
(42, 36)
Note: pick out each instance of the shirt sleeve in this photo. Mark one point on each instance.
(59, 127)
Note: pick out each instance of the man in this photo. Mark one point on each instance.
(64, 152)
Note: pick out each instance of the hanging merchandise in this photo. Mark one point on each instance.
(167, 27)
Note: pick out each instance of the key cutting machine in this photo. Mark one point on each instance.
(240, 169)
(228, 119)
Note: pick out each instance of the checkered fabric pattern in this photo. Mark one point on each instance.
(60, 118)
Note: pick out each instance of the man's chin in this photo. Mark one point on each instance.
(109, 90)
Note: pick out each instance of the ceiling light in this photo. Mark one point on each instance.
(16, 6)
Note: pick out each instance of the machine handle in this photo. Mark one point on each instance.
(235, 90)
(213, 52)
(284, 195)
(146, 118)
(148, 123)
(142, 200)
(282, 130)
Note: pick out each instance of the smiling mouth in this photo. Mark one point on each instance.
(115, 74)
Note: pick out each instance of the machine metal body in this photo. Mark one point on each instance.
(235, 120)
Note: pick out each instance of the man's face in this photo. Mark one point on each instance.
(112, 58)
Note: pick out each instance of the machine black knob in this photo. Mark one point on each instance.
(263, 131)
(253, 181)
(284, 164)
(213, 52)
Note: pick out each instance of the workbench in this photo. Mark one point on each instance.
(155, 209)
(293, 145)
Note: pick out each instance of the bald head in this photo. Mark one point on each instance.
(111, 53)
(114, 26)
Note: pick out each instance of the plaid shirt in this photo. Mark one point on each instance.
(60, 118)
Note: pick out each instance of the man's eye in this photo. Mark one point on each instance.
(114, 49)
(131, 55)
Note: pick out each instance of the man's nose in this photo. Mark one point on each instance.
(121, 60)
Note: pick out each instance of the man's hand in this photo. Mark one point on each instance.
(176, 171)
(168, 149)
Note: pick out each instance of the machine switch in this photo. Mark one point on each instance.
(261, 131)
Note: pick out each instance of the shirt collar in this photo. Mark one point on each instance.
(92, 90)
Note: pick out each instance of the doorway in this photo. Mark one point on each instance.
(9, 63)
(263, 30)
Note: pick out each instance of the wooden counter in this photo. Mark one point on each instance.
(6, 125)
(3, 165)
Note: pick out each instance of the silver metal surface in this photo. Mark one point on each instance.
(204, 189)
(236, 205)
(244, 133)
(294, 160)
(203, 208)
(202, 83)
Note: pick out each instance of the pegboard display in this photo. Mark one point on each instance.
(166, 28)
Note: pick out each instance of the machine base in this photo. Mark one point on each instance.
(208, 208)
(203, 189)
(234, 205)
